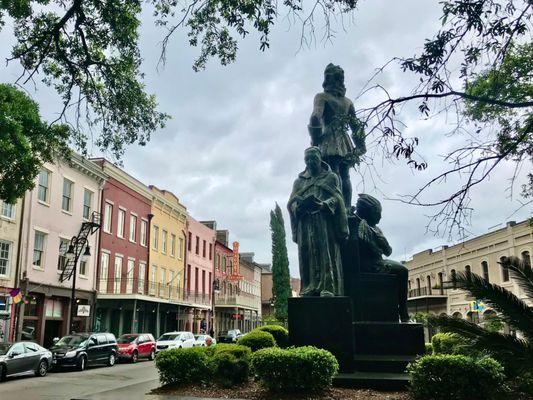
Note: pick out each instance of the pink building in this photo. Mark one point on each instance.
(65, 196)
(123, 302)
(199, 273)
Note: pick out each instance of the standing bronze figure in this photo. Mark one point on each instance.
(319, 226)
(333, 114)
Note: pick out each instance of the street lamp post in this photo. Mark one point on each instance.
(216, 290)
(73, 256)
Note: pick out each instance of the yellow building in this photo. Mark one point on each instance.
(168, 227)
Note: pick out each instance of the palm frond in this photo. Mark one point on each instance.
(513, 310)
(521, 272)
(509, 349)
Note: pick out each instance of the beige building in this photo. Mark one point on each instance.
(429, 270)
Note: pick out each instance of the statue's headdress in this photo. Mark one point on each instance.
(367, 203)
(313, 149)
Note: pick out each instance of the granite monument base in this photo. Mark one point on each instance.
(323, 322)
(376, 298)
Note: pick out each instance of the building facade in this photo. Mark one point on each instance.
(431, 273)
(10, 223)
(199, 274)
(124, 304)
(65, 196)
(168, 235)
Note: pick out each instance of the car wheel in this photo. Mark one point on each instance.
(42, 368)
(152, 355)
(111, 360)
(82, 363)
(135, 357)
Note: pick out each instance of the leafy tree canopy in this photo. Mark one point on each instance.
(26, 142)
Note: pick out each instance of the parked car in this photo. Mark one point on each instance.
(204, 340)
(230, 336)
(171, 340)
(132, 346)
(82, 349)
(24, 357)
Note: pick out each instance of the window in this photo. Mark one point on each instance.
(66, 202)
(164, 241)
(120, 223)
(188, 277)
(197, 245)
(204, 248)
(485, 270)
(454, 278)
(155, 239)
(43, 191)
(83, 267)
(428, 280)
(87, 203)
(133, 228)
(180, 248)
(129, 276)
(144, 224)
(441, 280)
(163, 276)
(7, 210)
(18, 348)
(63, 248)
(189, 243)
(31, 308)
(140, 279)
(104, 272)
(210, 251)
(209, 283)
(154, 273)
(118, 273)
(196, 279)
(505, 270)
(172, 245)
(468, 269)
(526, 258)
(203, 282)
(107, 217)
(38, 249)
(53, 308)
(5, 257)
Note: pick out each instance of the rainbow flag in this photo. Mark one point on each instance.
(16, 294)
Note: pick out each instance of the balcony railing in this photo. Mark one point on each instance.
(238, 300)
(424, 291)
(151, 288)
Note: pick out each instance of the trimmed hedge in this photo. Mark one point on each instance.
(448, 343)
(281, 335)
(257, 340)
(230, 363)
(295, 369)
(183, 366)
(429, 348)
(458, 377)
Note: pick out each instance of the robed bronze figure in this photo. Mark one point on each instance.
(319, 226)
(333, 114)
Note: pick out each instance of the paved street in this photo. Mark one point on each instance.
(123, 381)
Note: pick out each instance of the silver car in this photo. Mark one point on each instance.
(23, 357)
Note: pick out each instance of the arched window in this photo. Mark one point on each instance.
(428, 280)
(485, 270)
(409, 283)
(505, 271)
(453, 276)
(526, 258)
(468, 269)
(441, 289)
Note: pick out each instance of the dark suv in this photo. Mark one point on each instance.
(230, 336)
(82, 349)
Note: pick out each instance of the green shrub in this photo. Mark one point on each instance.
(281, 335)
(257, 340)
(429, 348)
(230, 363)
(295, 369)
(183, 366)
(458, 377)
(448, 343)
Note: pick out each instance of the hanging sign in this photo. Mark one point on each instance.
(84, 310)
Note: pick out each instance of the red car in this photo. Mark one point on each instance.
(132, 346)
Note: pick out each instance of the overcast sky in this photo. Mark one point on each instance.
(236, 140)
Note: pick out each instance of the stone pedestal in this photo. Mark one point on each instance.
(376, 298)
(324, 322)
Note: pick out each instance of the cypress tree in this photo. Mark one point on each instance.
(281, 284)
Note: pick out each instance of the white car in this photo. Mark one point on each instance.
(174, 340)
(204, 340)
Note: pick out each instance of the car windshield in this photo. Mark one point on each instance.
(200, 337)
(124, 339)
(169, 336)
(77, 341)
(4, 347)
